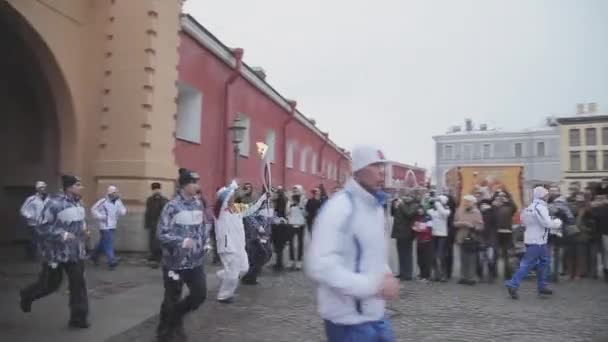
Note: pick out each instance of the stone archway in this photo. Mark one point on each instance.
(33, 101)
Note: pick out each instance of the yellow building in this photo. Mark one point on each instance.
(584, 147)
(87, 88)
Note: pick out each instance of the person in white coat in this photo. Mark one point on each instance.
(538, 225)
(107, 211)
(230, 236)
(440, 212)
(30, 211)
(347, 256)
(296, 217)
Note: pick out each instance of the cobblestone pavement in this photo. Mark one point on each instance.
(282, 308)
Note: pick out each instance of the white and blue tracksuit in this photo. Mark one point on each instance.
(182, 219)
(30, 211)
(538, 225)
(62, 214)
(107, 212)
(348, 258)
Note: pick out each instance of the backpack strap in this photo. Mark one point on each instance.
(346, 229)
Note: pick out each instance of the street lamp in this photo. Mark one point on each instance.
(238, 134)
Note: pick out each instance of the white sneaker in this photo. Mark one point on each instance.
(298, 265)
(292, 264)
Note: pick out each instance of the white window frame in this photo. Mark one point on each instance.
(515, 150)
(491, 154)
(271, 138)
(468, 156)
(291, 149)
(445, 154)
(314, 163)
(536, 153)
(304, 159)
(189, 114)
(245, 145)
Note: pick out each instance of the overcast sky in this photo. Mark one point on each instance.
(397, 72)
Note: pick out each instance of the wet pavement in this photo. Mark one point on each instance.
(282, 308)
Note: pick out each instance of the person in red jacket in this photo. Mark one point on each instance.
(424, 244)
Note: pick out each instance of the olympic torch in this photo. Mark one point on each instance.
(266, 173)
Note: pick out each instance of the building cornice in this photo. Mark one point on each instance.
(199, 33)
(584, 119)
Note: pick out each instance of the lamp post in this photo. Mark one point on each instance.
(238, 131)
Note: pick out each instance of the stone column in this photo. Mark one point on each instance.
(138, 111)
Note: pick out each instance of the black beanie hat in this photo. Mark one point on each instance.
(186, 177)
(69, 180)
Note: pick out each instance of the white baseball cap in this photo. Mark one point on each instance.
(40, 184)
(367, 155)
(112, 189)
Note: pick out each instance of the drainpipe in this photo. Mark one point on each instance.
(292, 116)
(227, 145)
(339, 181)
(321, 149)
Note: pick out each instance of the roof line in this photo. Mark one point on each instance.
(207, 39)
(411, 167)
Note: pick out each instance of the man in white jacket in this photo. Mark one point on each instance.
(348, 256)
(30, 211)
(107, 211)
(538, 225)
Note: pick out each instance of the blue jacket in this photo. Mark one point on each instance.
(61, 215)
(181, 219)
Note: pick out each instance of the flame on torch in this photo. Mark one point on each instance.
(262, 149)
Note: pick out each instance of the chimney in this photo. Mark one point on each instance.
(580, 108)
(260, 72)
(468, 125)
(552, 121)
(591, 107)
(483, 127)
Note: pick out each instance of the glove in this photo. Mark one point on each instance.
(558, 222)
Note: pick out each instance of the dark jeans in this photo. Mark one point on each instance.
(154, 245)
(49, 281)
(594, 246)
(555, 250)
(173, 308)
(424, 253)
(298, 233)
(449, 255)
(440, 244)
(488, 263)
(404, 250)
(505, 243)
(30, 246)
(575, 257)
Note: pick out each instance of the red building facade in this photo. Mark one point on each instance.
(216, 87)
(401, 176)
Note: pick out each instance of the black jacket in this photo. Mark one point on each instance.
(312, 209)
(154, 207)
(403, 220)
(600, 215)
(488, 214)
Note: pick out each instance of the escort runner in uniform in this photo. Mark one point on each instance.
(61, 244)
(182, 239)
